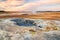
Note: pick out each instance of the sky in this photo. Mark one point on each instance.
(30, 5)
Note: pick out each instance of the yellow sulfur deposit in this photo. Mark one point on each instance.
(51, 28)
(32, 32)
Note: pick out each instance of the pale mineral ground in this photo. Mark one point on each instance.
(29, 29)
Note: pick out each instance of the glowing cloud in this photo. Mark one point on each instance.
(13, 5)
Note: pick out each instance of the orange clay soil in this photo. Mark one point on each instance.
(44, 15)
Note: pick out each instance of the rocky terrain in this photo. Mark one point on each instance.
(29, 29)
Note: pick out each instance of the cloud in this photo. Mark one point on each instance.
(55, 7)
(11, 3)
(29, 6)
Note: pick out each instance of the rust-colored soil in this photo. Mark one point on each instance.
(43, 15)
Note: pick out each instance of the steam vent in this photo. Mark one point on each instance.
(29, 19)
(25, 25)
